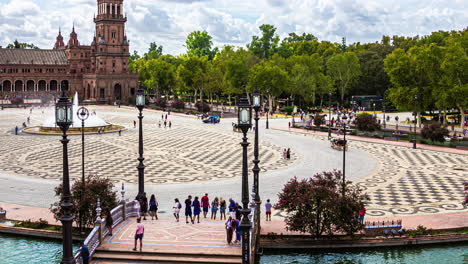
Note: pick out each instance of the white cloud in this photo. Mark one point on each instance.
(168, 22)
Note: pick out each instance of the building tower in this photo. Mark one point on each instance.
(73, 41)
(111, 46)
(59, 42)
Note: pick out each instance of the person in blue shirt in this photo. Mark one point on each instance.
(84, 253)
(232, 208)
(196, 209)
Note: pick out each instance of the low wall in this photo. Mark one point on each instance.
(294, 243)
(35, 233)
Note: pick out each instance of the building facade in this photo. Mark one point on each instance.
(98, 72)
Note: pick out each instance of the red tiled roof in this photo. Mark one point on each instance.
(33, 56)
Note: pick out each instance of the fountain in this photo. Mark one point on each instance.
(94, 124)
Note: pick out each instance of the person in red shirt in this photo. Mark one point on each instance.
(205, 203)
(362, 213)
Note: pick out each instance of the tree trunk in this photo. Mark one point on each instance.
(195, 96)
(462, 121)
(270, 104)
(418, 120)
(445, 117)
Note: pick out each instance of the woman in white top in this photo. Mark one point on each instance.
(136, 204)
(176, 209)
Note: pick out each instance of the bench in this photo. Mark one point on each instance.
(386, 228)
(462, 147)
(391, 138)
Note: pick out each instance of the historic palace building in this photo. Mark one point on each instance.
(98, 72)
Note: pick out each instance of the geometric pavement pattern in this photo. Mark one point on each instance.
(177, 155)
(410, 181)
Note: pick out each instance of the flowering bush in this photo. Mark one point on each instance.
(317, 206)
(367, 122)
(319, 120)
(434, 131)
(161, 102)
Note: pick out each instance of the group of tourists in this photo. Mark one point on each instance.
(199, 206)
(287, 154)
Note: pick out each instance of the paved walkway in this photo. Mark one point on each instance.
(166, 235)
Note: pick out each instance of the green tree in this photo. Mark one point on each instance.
(159, 75)
(21, 45)
(269, 78)
(154, 51)
(453, 91)
(199, 44)
(132, 61)
(344, 69)
(265, 46)
(416, 72)
(238, 67)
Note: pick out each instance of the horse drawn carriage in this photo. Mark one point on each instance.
(339, 144)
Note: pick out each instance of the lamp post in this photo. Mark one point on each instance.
(344, 153)
(82, 114)
(140, 104)
(329, 114)
(64, 119)
(384, 120)
(268, 112)
(244, 123)
(415, 121)
(256, 104)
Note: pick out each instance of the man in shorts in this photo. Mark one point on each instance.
(188, 209)
(205, 203)
(140, 230)
(268, 206)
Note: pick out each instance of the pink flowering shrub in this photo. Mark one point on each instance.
(316, 205)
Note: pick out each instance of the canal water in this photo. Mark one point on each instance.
(18, 249)
(27, 250)
(455, 253)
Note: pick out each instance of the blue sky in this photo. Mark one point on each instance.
(168, 22)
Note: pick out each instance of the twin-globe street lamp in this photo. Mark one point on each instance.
(244, 123)
(140, 104)
(64, 119)
(415, 121)
(256, 104)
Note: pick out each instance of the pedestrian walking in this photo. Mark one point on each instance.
(28, 119)
(153, 207)
(170, 124)
(288, 154)
(140, 230)
(229, 230)
(162, 116)
(289, 125)
(188, 209)
(237, 229)
(232, 208)
(268, 207)
(166, 116)
(362, 213)
(284, 154)
(214, 208)
(84, 253)
(144, 206)
(196, 209)
(205, 203)
(134, 124)
(176, 209)
(165, 123)
(137, 206)
(222, 208)
(159, 124)
(109, 222)
(120, 132)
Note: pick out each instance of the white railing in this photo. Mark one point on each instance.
(99, 232)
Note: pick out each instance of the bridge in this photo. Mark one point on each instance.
(165, 240)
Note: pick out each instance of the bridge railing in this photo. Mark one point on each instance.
(119, 214)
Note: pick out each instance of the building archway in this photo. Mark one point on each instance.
(53, 85)
(18, 86)
(30, 86)
(64, 85)
(118, 92)
(102, 94)
(42, 85)
(6, 86)
(88, 92)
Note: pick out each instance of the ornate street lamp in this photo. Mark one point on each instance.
(344, 153)
(256, 104)
(415, 121)
(64, 119)
(82, 114)
(140, 104)
(244, 123)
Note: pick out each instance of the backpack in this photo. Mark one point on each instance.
(179, 206)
